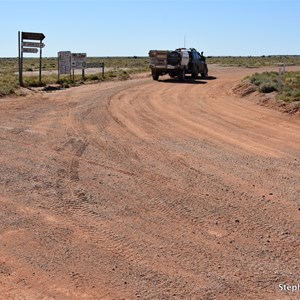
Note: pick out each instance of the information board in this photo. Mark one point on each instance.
(78, 60)
(64, 62)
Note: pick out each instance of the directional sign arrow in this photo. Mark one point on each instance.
(32, 36)
(32, 44)
(30, 50)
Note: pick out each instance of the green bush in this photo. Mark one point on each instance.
(267, 82)
(268, 87)
(94, 77)
(290, 94)
(111, 74)
(8, 84)
(33, 82)
(123, 75)
(254, 61)
(260, 78)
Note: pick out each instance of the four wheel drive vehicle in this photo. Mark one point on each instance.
(177, 63)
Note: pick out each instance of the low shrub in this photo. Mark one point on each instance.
(8, 84)
(268, 87)
(267, 82)
(94, 77)
(33, 83)
(261, 78)
(123, 75)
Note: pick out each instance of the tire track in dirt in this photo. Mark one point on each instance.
(155, 190)
(258, 148)
(126, 103)
(117, 244)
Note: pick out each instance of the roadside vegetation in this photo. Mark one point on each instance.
(254, 61)
(122, 68)
(115, 67)
(288, 90)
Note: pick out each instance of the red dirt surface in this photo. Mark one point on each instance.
(149, 190)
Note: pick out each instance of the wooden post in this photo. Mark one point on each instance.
(19, 56)
(40, 74)
(70, 66)
(20, 59)
(279, 80)
(58, 67)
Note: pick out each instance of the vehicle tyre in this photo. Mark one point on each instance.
(155, 75)
(205, 73)
(182, 74)
(195, 72)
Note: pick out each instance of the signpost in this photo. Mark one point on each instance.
(64, 63)
(78, 61)
(96, 65)
(68, 62)
(32, 36)
(30, 50)
(31, 47)
(31, 44)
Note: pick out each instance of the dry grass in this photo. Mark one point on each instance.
(128, 65)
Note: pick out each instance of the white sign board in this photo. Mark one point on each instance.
(30, 50)
(32, 44)
(64, 62)
(78, 61)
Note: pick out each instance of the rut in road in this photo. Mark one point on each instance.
(150, 190)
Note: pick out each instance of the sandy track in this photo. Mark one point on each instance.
(148, 190)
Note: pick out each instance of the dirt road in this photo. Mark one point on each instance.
(148, 190)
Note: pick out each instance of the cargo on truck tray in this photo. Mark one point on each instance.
(177, 63)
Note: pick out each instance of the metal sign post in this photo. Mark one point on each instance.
(29, 47)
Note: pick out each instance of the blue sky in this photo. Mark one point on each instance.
(127, 28)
